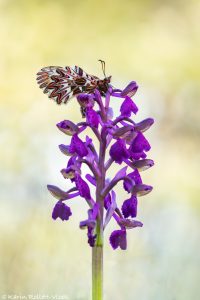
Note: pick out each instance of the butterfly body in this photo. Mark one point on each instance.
(63, 83)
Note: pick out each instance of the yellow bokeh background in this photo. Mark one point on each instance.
(153, 42)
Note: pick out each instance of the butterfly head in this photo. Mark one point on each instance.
(103, 85)
(108, 79)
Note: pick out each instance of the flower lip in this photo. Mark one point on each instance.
(118, 151)
(130, 89)
(91, 237)
(139, 146)
(129, 207)
(140, 143)
(118, 239)
(62, 211)
(127, 107)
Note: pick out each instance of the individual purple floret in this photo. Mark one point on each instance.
(62, 211)
(127, 107)
(77, 146)
(129, 207)
(118, 151)
(135, 176)
(118, 239)
(115, 140)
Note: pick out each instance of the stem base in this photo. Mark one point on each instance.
(97, 273)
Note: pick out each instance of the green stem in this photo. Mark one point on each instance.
(97, 257)
(97, 272)
(97, 251)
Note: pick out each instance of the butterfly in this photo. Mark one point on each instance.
(62, 83)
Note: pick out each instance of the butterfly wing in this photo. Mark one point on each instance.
(63, 83)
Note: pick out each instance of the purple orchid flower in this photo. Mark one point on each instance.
(126, 144)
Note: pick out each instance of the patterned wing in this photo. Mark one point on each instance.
(63, 83)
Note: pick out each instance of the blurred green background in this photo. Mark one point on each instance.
(153, 42)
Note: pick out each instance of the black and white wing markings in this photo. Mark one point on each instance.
(63, 83)
(86, 83)
(50, 80)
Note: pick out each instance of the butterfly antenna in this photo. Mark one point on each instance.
(103, 66)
